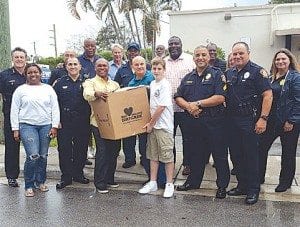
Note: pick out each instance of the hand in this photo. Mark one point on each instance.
(148, 127)
(192, 108)
(101, 95)
(260, 126)
(288, 127)
(196, 113)
(53, 133)
(17, 135)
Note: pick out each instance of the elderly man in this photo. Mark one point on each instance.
(249, 101)
(107, 150)
(214, 61)
(142, 76)
(117, 62)
(123, 76)
(178, 64)
(74, 132)
(61, 71)
(160, 51)
(10, 79)
(201, 94)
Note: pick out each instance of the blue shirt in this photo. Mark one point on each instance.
(124, 74)
(113, 68)
(146, 80)
(88, 66)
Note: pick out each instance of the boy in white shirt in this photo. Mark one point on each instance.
(160, 128)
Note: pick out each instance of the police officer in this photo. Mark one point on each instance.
(73, 135)
(10, 79)
(249, 102)
(201, 94)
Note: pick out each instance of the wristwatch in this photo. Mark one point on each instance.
(199, 104)
(264, 117)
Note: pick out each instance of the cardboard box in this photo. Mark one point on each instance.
(124, 113)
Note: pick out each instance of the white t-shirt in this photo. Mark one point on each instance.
(35, 105)
(161, 95)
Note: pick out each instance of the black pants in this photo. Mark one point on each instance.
(207, 134)
(289, 141)
(12, 151)
(179, 120)
(244, 149)
(72, 147)
(107, 152)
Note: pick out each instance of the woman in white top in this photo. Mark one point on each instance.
(34, 120)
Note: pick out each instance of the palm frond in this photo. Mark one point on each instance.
(71, 4)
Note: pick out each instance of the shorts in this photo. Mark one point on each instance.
(160, 145)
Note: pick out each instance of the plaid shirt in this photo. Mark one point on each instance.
(176, 70)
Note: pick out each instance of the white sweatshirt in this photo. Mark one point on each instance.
(35, 105)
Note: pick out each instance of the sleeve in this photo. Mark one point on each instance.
(263, 82)
(15, 110)
(180, 89)
(118, 77)
(294, 116)
(89, 90)
(53, 76)
(55, 113)
(220, 84)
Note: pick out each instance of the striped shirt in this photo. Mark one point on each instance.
(176, 70)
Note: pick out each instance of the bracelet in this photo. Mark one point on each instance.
(199, 104)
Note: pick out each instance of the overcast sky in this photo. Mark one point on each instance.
(31, 20)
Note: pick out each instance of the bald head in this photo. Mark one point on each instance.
(89, 46)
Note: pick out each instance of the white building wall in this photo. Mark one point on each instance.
(246, 23)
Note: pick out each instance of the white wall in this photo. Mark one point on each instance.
(254, 23)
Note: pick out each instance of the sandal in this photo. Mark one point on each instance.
(43, 188)
(29, 192)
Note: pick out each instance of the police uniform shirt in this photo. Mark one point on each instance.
(221, 64)
(10, 79)
(88, 66)
(57, 73)
(70, 98)
(194, 87)
(250, 81)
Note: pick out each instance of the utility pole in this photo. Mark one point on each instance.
(5, 48)
(5, 58)
(54, 39)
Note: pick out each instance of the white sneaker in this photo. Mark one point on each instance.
(169, 190)
(151, 186)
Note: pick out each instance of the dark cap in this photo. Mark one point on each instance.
(134, 45)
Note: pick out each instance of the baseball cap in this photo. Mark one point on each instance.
(134, 45)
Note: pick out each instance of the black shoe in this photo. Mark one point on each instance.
(62, 184)
(88, 162)
(251, 198)
(185, 187)
(262, 181)
(233, 172)
(12, 183)
(236, 192)
(282, 188)
(113, 185)
(127, 165)
(81, 180)
(221, 193)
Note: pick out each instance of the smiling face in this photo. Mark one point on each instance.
(33, 75)
(240, 55)
(117, 54)
(175, 47)
(282, 62)
(201, 58)
(19, 59)
(73, 67)
(139, 66)
(212, 49)
(101, 68)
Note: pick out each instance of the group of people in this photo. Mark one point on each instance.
(236, 107)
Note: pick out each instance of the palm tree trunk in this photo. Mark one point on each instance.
(127, 15)
(114, 22)
(136, 27)
(5, 59)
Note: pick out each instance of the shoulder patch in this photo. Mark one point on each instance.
(264, 73)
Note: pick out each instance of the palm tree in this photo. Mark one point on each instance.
(5, 60)
(101, 7)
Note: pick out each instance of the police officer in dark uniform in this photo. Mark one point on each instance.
(10, 79)
(61, 70)
(249, 102)
(202, 94)
(73, 136)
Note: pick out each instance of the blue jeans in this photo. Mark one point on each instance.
(35, 139)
